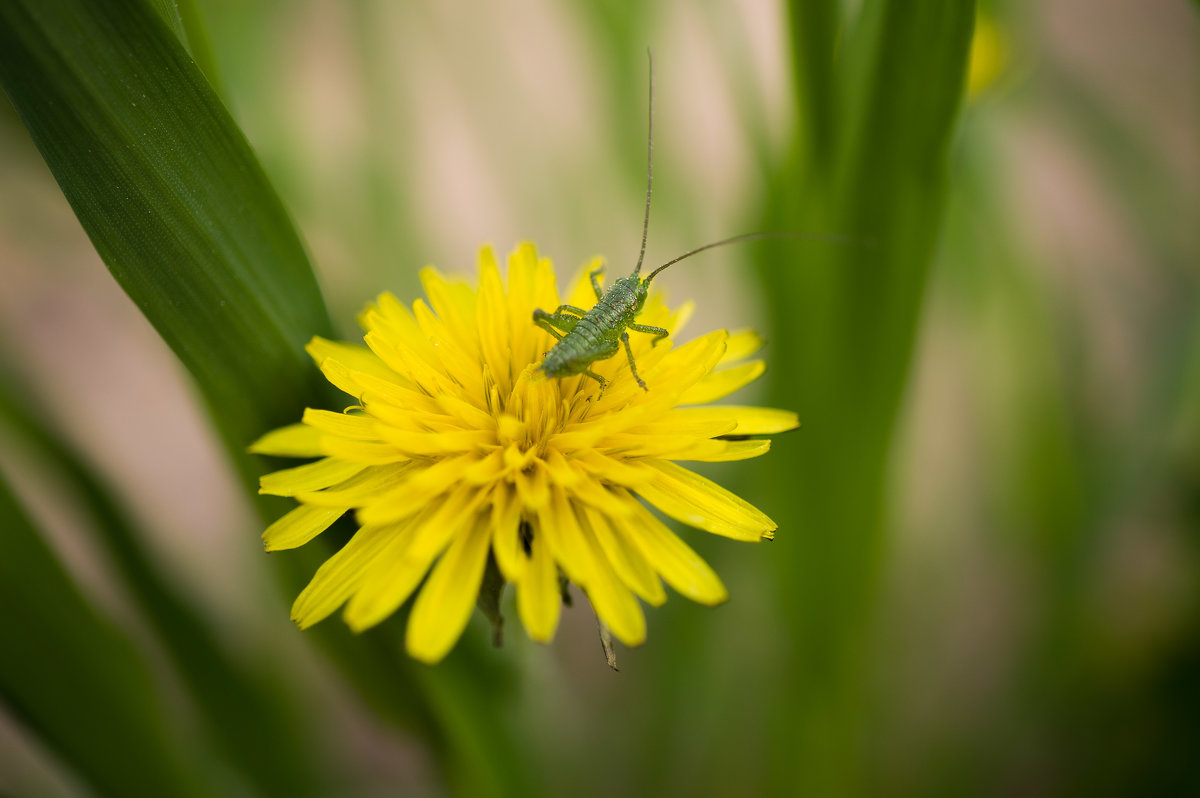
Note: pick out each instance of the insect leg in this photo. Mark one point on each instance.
(603, 382)
(569, 309)
(596, 283)
(658, 332)
(632, 366)
(603, 351)
(554, 322)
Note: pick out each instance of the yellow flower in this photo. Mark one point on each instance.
(989, 55)
(458, 447)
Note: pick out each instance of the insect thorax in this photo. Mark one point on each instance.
(628, 294)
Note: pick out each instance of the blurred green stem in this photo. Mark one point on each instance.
(876, 113)
(78, 682)
(245, 711)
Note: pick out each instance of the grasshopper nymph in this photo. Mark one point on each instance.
(585, 336)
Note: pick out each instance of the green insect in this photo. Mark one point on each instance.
(585, 336)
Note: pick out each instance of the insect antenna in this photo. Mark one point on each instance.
(754, 237)
(649, 166)
(650, 185)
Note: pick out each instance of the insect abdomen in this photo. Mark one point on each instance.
(575, 351)
(588, 342)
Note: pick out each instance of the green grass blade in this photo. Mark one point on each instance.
(843, 322)
(171, 195)
(183, 18)
(243, 710)
(76, 681)
(814, 27)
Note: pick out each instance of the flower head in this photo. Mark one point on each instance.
(459, 449)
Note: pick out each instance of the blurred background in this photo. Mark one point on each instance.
(987, 576)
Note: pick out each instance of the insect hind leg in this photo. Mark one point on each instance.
(658, 332)
(603, 382)
(555, 323)
(632, 365)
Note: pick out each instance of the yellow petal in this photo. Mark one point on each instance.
(412, 412)
(530, 285)
(630, 445)
(486, 469)
(595, 493)
(311, 476)
(457, 362)
(626, 560)
(468, 415)
(391, 321)
(682, 568)
(746, 420)
(444, 605)
(400, 568)
(294, 440)
(561, 472)
(300, 526)
(679, 422)
(340, 377)
(365, 452)
(340, 576)
(719, 384)
(539, 600)
(386, 584)
(558, 526)
(492, 321)
(428, 377)
(700, 354)
(533, 486)
(344, 425)
(354, 357)
(610, 598)
(454, 303)
(421, 485)
(694, 500)
(741, 344)
(433, 444)
(723, 451)
(506, 534)
(680, 317)
(396, 392)
(613, 469)
(761, 420)
(456, 509)
(623, 389)
(583, 435)
(360, 489)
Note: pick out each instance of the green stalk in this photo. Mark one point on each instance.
(244, 711)
(843, 320)
(78, 682)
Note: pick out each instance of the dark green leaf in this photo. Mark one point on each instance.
(77, 681)
(167, 188)
(242, 708)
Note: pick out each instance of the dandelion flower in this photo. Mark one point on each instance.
(458, 451)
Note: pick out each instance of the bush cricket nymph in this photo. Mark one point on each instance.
(585, 336)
